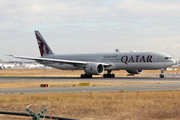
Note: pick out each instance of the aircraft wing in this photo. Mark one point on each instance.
(72, 62)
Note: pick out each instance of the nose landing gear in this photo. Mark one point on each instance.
(162, 74)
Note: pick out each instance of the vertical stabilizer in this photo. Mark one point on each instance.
(43, 46)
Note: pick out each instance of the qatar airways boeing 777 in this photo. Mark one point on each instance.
(97, 63)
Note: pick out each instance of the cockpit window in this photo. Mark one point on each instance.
(168, 58)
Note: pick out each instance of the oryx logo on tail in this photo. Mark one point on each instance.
(43, 46)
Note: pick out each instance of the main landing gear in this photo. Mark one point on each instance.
(162, 74)
(86, 75)
(109, 75)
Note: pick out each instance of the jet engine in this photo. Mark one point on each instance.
(94, 68)
(135, 71)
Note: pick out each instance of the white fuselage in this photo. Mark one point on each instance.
(118, 61)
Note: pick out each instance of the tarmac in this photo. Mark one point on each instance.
(147, 87)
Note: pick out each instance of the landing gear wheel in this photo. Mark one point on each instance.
(108, 75)
(86, 76)
(105, 75)
(161, 75)
(82, 76)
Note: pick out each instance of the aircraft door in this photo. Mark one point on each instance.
(154, 59)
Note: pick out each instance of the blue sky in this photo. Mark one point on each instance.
(90, 26)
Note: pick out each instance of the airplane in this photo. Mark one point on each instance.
(96, 63)
(6, 65)
(33, 66)
(1, 66)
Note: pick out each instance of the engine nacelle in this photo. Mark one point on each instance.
(94, 68)
(135, 71)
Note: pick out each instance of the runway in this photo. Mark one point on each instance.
(149, 87)
(152, 78)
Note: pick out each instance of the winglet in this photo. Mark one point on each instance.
(43, 46)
